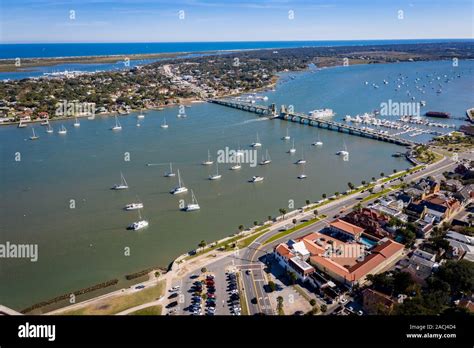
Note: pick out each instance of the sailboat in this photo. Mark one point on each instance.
(140, 116)
(194, 205)
(180, 188)
(287, 136)
(256, 178)
(22, 125)
(138, 225)
(292, 150)
(123, 184)
(215, 176)
(164, 125)
(257, 143)
(266, 159)
(117, 126)
(170, 173)
(302, 160)
(343, 152)
(209, 160)
(318, 142)
(76, 123)
(134, 206)
(236, 166)
(62, 130)
(49, 129)
(302, 175)
(34, 136)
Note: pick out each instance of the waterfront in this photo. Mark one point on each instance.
(83, 246)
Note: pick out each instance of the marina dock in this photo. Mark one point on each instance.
(285, 114)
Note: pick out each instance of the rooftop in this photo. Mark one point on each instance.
(346, 227)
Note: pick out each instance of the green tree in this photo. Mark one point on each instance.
(202, 244)
(293, 277)
(241, 228)
(315, 212)
(324, 195)
(271, 286)
(282, 212)
(294, 221)
(308, 202)
(203, 270)
(382, 174)
(312, 302)
(324, 308)
(458, 274)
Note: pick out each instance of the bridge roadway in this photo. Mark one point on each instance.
(305, 119)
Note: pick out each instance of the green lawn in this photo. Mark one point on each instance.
(291, 230)
(247, 241)
(120, 303)
(152, 310)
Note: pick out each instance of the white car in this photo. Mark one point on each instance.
(175, 288)
(360, 313)
(343, 300)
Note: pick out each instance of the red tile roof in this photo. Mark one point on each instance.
(346, 227)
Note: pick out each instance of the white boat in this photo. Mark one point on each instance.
(292, 150)
(45, 122)
(22, 125)
(257, 143)
(194, 205)
(49, 129)
(76, 123)
(170, 174)
(209, 160)
(134, 206)
(138, 124)
(236, 166)
(318, 142)
(256, 179)
(302, 175)
(34, 136)
(321, 113)
(215, 176)
(343, 152)
(265, 159)
(302, 160)
(138, 225)
(141, 116)
(62, 130)
(287, 136)
(117, 126)
(164, 125)
(180, 188)
(123, 184)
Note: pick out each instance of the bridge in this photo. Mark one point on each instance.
(291, 116)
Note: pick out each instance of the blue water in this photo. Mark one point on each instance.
(49, 50)
(369, 242)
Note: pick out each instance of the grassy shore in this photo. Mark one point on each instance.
(152, 310)
(119, 303)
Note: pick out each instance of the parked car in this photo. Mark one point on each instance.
(139, 287)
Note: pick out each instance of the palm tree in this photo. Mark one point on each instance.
(382, 174)
(315, 212)
(269, 218)
(336, 193)
(324, 196)
(394, 171)
(241, 228)
(363, 182)
(202, 244)
(255, 223)
(351, 185)
(308, 201)
(294, 222)
(282, 212)
(373, 178)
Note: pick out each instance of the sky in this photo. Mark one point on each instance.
(43, 21)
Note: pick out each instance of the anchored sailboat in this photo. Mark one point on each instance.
(76, 123)
(170, 173)
(257, 143)
(209, 160)
(123, 184)
(164, 125)
(215, 176)
(287, 136)
(62, 130)
(343, 152)
(34, 136)
(194, 205)
(49, 129)
(302, 160)
(302, 175)
(292, 150)
(265, 159)
(138, 225)
(117, 126)
(318, 142)
(180, 188)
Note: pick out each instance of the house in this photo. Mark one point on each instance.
(465, 195)
(441, 207)
(452, 185)
(290, 262)
(463, 245)
(371, 220)
(347, 229)
(428, 186)
(415, 211)
(405, 198)
(375, 302)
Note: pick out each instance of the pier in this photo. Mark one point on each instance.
(302, 118)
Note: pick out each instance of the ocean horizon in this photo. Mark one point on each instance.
(56, 50)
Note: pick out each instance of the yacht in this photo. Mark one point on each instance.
(180, 188)
(141, 116)
(292, 150)
(117, 126)
(236, 166)
(134, 206)
(302, 175)
(76, 123)
(265, 159)
(164, 125)
(256, 179)
(287, 136)
(22, 125)
(138, 225)
(318, 142)
(49, 129)
(194, 205)
(257, 143)
(215, 176)
(343, 152)
(62, 130)
(209, 160)
(302, 160)
(123, 184)
(170, 174)
(34, 136)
